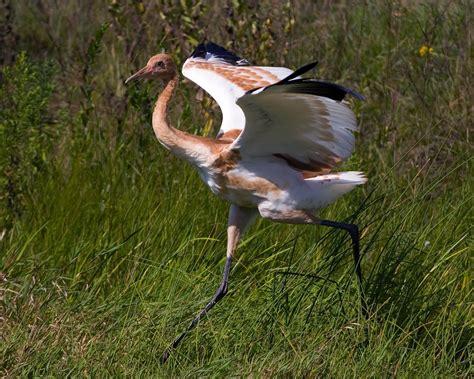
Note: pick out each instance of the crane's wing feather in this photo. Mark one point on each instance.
(227, 77)
(303, 121)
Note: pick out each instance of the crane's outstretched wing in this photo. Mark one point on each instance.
(300, 120)
(227, 77)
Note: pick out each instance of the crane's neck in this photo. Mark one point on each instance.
(165, 133)
(184, 145)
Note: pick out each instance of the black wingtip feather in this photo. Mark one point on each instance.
(211, 50)
(322, 88)
(316, 87)
(299, 72)
(336, 91)
(312, 87)
(199, 51)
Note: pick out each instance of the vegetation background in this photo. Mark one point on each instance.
(109, 245)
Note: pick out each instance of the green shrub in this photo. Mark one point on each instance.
(25, 131)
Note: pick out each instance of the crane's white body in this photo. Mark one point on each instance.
(270, 185)
(269, 128)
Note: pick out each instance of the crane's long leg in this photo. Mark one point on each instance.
(239, 219)
(353, 231)
(296, 216)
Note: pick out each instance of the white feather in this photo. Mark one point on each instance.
(225, 90)
(304, 127)
(326, 189)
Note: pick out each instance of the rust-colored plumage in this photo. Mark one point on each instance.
(246, 78)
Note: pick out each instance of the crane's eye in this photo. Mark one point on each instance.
(160, 64)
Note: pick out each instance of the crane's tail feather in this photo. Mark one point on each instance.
(347, 177)
(328, 188)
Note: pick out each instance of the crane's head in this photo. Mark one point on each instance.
(160, 66)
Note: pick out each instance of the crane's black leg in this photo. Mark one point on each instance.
(220, 293)
(239, 219)
(353, 231)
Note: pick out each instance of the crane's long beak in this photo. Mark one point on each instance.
(139, 74)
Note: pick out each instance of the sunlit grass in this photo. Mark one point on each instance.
(97, 283)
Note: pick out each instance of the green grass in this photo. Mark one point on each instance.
(119, 245)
